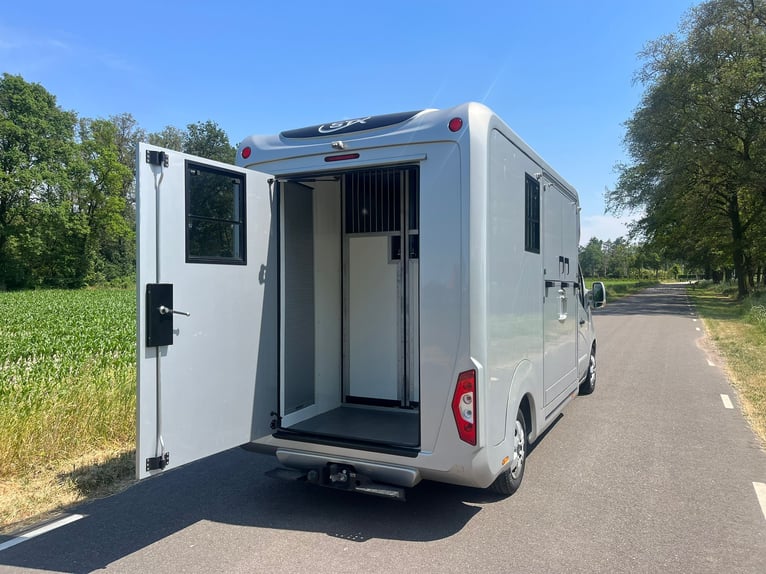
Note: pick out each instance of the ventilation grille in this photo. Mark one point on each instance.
(373, 201)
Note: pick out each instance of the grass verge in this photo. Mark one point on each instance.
(616, 288)
(67, 399)
(738, 329)
(33, 496)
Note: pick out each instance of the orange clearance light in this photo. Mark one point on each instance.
(505, 461)
(246, 151)
(455, 124)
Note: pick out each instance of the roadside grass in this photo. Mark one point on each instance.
(67, 399)
(617, 288)
(738, 329)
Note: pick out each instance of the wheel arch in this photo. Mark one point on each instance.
(521, 395)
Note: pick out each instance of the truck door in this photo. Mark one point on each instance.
(584, 329)
(560, 306)
(206, 308)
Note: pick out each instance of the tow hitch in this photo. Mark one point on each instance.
(340, 477)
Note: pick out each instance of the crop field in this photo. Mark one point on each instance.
(67, 394)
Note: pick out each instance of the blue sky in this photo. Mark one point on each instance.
(559, 72)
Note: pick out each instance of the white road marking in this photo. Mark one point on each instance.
(727, 402)
(760, 492)
(695, 320)
(710, 363)
(698, 329)
(42, 530)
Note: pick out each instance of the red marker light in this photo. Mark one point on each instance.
(455, 124)
(344, 157)
(246, 151)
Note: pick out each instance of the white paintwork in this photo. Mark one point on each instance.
(326, 323)
(413, 326)
(205, 380)
(560, 308)
(372, 324)
(327, 279)
(479, 299)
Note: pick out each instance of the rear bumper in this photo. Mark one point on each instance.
(472, 471)
(380, 472)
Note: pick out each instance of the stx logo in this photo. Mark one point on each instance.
(338, 126)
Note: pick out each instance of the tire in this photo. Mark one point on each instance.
(589, 384)
(509, 480)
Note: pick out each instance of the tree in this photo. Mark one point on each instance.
(67, 188)
(697, 139)
(592, 257)
(204, 139)
(101, 196)
(36, 145)
(170, 137)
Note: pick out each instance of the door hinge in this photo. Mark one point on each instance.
(274, 420)
(157, 462)
(156, 157)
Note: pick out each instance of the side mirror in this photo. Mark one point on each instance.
(598, 294)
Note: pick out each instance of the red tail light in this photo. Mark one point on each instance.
(464, 406)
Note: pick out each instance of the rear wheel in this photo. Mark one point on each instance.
(509, 480)
(589, 384)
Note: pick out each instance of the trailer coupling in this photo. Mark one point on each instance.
(340, 477)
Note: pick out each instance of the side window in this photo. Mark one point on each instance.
(215, 215)
(532, 215)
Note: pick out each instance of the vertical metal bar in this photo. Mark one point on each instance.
(159, 442)
(369, 203)
(405, 259)
(379, 215)
(358, 200)
(346, 190)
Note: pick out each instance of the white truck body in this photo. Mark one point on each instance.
(341, 280)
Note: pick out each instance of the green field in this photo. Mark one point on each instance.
(67, 384)
(616, 288)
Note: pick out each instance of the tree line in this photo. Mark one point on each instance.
(67, 188)
(623, 259)
(697, 143)
(696, 175)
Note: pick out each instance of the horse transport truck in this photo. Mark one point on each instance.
(375, 301)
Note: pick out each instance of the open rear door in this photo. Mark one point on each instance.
(207, 303)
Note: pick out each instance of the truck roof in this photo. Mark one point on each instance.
(401, 128)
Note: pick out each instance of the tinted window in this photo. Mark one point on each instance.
(532, 215)
(215, 215)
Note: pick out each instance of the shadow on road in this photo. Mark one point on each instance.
(231, 488)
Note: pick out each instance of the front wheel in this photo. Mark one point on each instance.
(589, 384)
(509, 480)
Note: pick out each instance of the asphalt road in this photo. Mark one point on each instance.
(649, 474)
